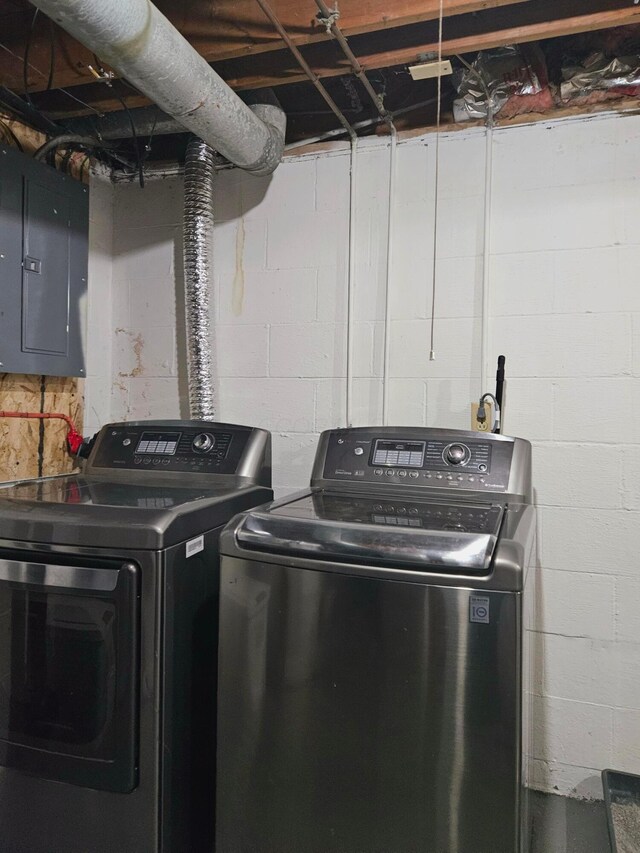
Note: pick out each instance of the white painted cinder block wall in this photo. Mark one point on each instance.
(97, 395)
(565, 310)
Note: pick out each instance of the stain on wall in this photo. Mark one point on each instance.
(238, 280)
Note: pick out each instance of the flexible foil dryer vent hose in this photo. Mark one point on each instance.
(198, 253)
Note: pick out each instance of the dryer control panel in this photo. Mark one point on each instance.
(413, 457)
(172, 447)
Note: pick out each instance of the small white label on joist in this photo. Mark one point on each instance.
(194, 546)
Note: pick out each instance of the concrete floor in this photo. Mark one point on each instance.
(563, 825)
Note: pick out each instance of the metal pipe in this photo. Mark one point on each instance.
(147, 121)
(387, 293)
(330, 134)
(198, 242)
(331, 22)
(266, 8)
(140, 44)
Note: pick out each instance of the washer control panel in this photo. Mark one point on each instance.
(199, 448)
(420, 457)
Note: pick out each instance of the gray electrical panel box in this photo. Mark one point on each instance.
(44, 225)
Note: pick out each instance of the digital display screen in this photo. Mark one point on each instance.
(404, 454)
(397, 520)
(163, 443)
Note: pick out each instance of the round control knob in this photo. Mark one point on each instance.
(358, 451)
(456, 454)
(203, 442)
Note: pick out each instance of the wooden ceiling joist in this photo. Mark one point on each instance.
(543, 19)
(382, 34)
(219, 30)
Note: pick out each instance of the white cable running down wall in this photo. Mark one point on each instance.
(387, 294)
(485, 335)
(352, 276)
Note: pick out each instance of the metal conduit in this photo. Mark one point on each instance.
(198, 250)
(302, 62)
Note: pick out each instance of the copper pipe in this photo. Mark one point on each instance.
(302, 62)
(357, 69)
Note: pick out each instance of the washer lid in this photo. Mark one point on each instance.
(76, 509)
(458, 536)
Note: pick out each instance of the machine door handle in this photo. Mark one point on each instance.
(67, 577)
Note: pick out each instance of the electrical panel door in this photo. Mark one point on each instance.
(44, 223)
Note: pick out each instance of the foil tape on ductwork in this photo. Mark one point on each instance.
(198, 261)
(617, 76)
(513, 76)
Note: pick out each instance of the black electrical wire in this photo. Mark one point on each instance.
(136, 143)
(500, 380)
(66, 159)
(52, 54)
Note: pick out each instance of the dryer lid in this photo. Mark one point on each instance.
(459, 537)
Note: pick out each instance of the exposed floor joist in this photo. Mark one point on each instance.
(543, 19)
(385, 36)
(219, 30)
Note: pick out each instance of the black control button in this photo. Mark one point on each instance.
(203, 442)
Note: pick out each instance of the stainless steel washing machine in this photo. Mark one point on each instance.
(108, 628)
(372, 674)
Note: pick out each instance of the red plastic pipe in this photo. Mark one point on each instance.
(74, 439)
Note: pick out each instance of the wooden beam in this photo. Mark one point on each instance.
(464, 34)
(525, 22)
(219, 30)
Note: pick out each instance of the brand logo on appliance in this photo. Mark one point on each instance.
(479, 609)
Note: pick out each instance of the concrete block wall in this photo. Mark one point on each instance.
(99, 379)
(565, 310)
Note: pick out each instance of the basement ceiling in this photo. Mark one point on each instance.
(241, 44)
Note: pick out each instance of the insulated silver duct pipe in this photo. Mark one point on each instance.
(136, 39)
(199, 174)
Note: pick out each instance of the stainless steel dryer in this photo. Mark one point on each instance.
(108, 625)
(371, 659)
